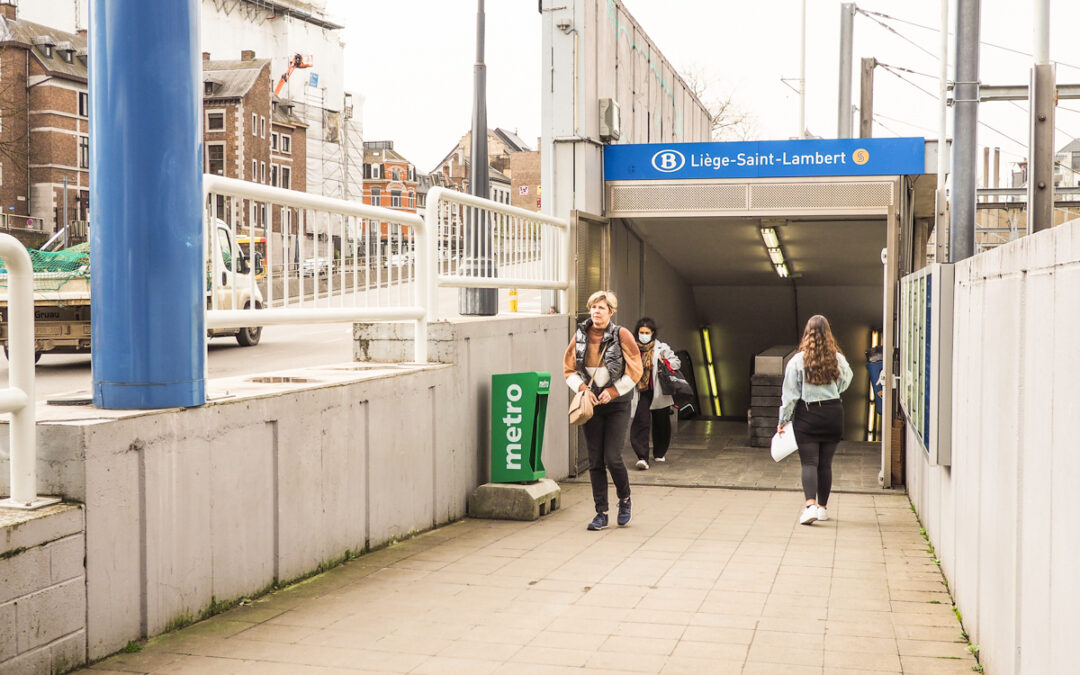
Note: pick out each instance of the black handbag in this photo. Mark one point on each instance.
(672, 383)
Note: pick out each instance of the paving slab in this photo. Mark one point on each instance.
(703, 580)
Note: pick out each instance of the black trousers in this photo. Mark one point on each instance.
(658, 422)
(818, 430)
(605, 435)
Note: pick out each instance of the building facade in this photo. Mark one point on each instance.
(389, 181)
(251, 134)
(44, 125)
(514, 175)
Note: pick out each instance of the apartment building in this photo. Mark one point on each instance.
(44, 124)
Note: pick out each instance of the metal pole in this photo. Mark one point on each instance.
(1041, 95)
(802, 74)
(843, 105)
(478, 253)
(941, 208)
(67, 240)
(965, 123)
(148, 288)
(866, 98)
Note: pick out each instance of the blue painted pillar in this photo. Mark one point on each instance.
(147, 280)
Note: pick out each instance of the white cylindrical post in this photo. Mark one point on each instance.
(20, 273)
(802, 74)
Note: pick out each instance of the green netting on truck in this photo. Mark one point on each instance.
(53, 269)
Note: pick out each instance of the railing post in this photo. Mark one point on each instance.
(424, 264)
(18, 398)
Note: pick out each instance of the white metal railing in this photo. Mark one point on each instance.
(365, 263)
(480, 243)
(369, 263)
(18, 398)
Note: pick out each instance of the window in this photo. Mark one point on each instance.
(367, 170)
(395, 198)
(215, 121)
(208, 88)
(274, 141)
(68, 55)
(376, 196)
(254, 170)
(262, 127)
(376, 171)
(262, 172)
(273, 174)
(215, 159)
(286, 177)
(84, 152)
(84, 104)
(286, 144)
(254, 124)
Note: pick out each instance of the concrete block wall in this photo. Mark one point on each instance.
(1002, 518)
(188, 507)
(42, 590)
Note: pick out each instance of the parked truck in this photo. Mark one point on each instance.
(62, 296)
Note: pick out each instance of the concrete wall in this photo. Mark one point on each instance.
(42, 590)
(614, 59)
(746, 320)
(647, 285)
(267, 481)
(1002, 518)
(479, 348)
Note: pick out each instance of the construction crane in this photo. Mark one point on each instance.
(297, 61)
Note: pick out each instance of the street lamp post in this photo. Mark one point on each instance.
(478, 236)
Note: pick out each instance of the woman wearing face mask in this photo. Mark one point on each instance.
(653, 406)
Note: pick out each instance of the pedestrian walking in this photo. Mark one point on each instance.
(651, 410)
(813, 381)
(606, 355)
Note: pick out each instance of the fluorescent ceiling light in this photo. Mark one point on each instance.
(769, 235)
(776, 256)
(782, 270)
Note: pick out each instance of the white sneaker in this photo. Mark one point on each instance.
(809, 515)
(822, 513)
(660, 459)
(642, 464)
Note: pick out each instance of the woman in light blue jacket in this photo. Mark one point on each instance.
(813, 381)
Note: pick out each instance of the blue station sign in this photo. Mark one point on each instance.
(765, 159)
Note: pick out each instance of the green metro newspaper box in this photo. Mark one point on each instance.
(518, 409)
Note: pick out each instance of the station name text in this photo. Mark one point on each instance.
(768, 159)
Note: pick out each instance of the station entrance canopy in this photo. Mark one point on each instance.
(808, 177)
(831, 206)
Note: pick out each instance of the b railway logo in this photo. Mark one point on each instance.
(668, 161)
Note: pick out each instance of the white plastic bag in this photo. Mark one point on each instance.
(784, 444)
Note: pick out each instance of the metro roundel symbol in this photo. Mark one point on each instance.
(668, 161)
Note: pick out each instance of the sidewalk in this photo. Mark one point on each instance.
(702, 581)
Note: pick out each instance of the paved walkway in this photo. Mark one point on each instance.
(711, 453)
(702, 581)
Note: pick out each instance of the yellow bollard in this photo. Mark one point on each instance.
(513, 299)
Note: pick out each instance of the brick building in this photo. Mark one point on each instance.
(514, 176)
(389, 181)
(252, 135)
(44, 133)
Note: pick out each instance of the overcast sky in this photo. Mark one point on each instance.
(412, 62)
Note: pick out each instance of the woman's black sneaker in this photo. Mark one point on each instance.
(624, 513)
(601, 520)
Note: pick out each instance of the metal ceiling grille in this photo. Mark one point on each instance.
(807, 196)
(685, 198)
(665, 198)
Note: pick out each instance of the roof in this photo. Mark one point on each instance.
(382, 154)
(495, 174)
(1073, 146)
(235, 77)
(282, 112)
(512, 140)
(27, 33)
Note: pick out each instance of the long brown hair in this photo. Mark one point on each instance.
(819, 351)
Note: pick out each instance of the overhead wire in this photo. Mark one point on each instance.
(870, 15)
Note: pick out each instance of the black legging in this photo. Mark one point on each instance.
(605, 435)
(816, 461)
(658, 422)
